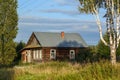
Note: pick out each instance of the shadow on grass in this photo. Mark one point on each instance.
(6, 74)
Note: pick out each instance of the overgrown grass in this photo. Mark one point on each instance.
(63, 71)
(6, 74)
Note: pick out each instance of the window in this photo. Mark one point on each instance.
(52, 54)
(72, 54)
(34, 54)
(28, 55)
(40, 54)
(37, 54)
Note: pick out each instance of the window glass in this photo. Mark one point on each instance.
(40, 54)
(52, 54)
(72, 54)
(34, 54)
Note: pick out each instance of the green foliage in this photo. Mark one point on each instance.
(63, 71)
(8, 30)
(84, 55)
(118, 50)
(19, 46)
(87, 6)
(111, 9)
(88, 55)
(6, 74)
(104, 51)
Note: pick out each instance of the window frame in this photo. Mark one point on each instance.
(34, 54)
(51, 52)
(40, 54)
(37, 54)
(73, 56)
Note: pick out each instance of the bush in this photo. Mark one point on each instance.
(88, 55)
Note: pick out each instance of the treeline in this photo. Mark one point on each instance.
(97, 53)
(19, 47)
(16, 58)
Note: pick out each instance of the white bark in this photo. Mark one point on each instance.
(113, 55)
(117, 23)
(99, 26)
(114, 35)
(112, 22)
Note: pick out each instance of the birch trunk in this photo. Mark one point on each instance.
(113, 55)
(112, 16)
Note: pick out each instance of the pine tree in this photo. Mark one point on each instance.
(8, 30)
(19, 47)
(102, 50)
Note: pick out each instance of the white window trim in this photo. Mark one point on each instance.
(34, 56)
(40, 54)
(37, 54)
(72, 57)
(51, 57)
(29, 56)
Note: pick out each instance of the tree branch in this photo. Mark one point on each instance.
(99, 26)
(112, 23)
(117, 23)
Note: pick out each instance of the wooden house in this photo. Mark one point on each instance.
(46, 46)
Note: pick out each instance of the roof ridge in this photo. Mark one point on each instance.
(57, 32)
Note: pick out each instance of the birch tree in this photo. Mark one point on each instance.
(112, 16)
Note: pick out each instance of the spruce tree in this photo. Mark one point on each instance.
(8, 30)
(104, 51)
(19, 47)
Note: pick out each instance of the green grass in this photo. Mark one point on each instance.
(62, 71)
(6, 74)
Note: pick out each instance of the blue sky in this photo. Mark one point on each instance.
(55, 16)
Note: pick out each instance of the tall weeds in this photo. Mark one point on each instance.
(64, 71)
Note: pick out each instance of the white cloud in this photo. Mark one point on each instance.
(29, 19)
(57, 24)
(67, 2)
(27, 25)
(61, 11)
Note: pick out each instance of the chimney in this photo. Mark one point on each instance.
(62, 35)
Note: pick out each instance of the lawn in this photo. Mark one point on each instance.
(62, 71)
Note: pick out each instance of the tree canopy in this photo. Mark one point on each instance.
(8, 30)
(112, 16)
(103, 50)
(19, 46)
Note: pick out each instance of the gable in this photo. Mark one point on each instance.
(33, 42)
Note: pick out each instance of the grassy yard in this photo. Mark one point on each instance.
(62, 71)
